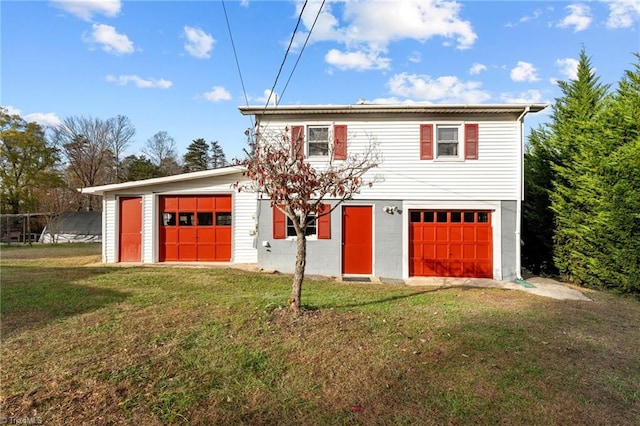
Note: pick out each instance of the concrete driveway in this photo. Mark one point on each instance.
(535, 285)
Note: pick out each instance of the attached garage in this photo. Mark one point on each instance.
(191, 217)
(450, 243)
(195, 228)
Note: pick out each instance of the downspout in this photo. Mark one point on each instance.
(520, 194)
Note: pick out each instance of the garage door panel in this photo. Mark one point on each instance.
(455, 251)
(187, 252)
(441, 233)
(187, 203)
(483, 234)
(205, 203)
(457, 244)
(223, 204)
(456, 233)
(469, 234)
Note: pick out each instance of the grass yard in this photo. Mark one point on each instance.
(164, 345)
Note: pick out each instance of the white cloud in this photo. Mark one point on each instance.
(149, 83)
(445, 89)
(579, 17)
(415, 57)
(524, 71)
(45, 119)
(267, 94)
(623, 13)
(477, 68)
(199, 44)
(370, 25)
(85, 9)
(359, 61)
(568, 67)
(217, 94)
(527, 97)
(110, 39)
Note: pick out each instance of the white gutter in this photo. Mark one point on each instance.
(520, 195)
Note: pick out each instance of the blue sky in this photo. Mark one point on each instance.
(169, 65)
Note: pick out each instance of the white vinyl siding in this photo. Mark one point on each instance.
(244, 228)
(110, 229)
(148, 228)
(493, 176)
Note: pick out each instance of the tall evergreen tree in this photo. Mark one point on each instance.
(575, 152)
(218, 159)
(619, 260)
(197, 156)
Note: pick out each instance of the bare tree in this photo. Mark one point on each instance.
(86, 146)
(276, 168)
(121, 133)
(161, 150)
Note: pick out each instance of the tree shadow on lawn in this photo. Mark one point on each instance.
(315, 307)
(33, 297)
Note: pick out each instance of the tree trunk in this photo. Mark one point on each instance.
(298, 275)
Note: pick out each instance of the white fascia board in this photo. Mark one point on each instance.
(99, 190)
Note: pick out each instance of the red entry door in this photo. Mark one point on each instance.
(130, 249)
(357, 241)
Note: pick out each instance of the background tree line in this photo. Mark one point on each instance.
(581, 214)
(41, 169)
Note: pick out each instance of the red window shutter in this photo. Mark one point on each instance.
(279, 224)
(297, 142)
(324, 223)
(340, 142)
(426, 141)
(471, 141)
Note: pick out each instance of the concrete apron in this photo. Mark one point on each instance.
(540, 286)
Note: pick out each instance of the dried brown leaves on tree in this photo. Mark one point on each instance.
(301, 189)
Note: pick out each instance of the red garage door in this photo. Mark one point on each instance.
(195, 228)
(445, 243)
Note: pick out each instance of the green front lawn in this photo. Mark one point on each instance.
(105, 345)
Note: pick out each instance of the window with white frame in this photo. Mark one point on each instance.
(448, 141)
(312, 229)
(318, 141)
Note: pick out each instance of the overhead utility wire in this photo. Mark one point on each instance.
(235, 54)
(285, 55)
(302, 50)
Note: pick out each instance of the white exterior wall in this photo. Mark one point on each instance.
(243, 206)
(494, 176)
(109, 229)
(149, 231)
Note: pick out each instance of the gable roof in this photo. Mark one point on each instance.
(99, 190)
(393, 109)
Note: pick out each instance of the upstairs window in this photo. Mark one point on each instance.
(447, 142)
(318, 141)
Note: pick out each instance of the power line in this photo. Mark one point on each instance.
(286, 54)
(235, 54)
(302, 50)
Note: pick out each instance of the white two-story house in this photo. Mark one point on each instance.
(447, 201)
(447, 204)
